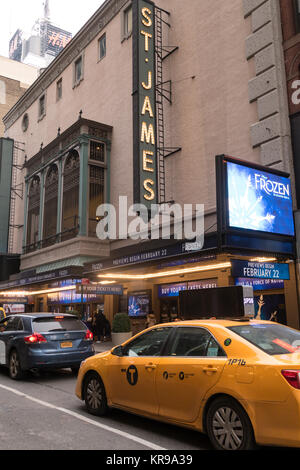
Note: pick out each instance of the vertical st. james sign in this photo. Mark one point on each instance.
(144, 103)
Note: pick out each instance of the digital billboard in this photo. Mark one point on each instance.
(56, 39)
(259, 200)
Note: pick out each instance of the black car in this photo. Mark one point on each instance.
(43, 341)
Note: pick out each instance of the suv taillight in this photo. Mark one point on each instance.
(35, 338)
(293, 377)
(89, 336)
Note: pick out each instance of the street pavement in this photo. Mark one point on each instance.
(103, 346)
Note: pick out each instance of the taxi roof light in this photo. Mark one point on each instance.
(292, 377)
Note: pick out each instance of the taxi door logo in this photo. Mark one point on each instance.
(132, 375)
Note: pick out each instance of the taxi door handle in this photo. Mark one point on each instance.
(210, 369)
(150, 366)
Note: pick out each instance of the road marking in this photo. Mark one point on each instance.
(85, 419)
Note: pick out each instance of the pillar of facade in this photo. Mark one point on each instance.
(25, 213)
(59, 196)
(108, 170)
(42, 197)
(83, 186)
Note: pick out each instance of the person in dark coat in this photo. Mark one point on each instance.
(100, 325)
(107, 330)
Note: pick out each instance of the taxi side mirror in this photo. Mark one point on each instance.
(118, 351)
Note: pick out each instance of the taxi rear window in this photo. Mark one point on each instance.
(48, 325)
(272, 339)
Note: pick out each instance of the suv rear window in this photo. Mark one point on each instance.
(48, 325)
(272, 339)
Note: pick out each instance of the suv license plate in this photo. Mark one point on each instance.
(66, 344)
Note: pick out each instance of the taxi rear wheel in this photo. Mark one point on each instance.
(228, 426)
(94, 395)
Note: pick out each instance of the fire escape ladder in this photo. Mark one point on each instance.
(17, 190)
(163, 92)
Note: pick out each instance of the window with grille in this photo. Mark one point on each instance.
(97, 152)
(96, 196)
(33, 211)
(50, 205)
(70, 206)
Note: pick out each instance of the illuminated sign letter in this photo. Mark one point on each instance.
(147, 134)
(144, 104)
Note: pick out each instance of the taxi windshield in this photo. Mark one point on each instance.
(272, 339)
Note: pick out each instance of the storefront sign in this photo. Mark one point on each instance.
(136, 258)
(260, 284)
(71, 297)
(42, 277)
(245, 269)
(172, 290)
(14, 309)
(144, 103)
(13, 300)
(99, 290)
(64, 283)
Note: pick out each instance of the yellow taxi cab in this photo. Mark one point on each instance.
(2, 313)
(238, 381)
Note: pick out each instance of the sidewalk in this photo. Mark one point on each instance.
(103, 346)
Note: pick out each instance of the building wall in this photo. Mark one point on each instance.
(15, 79)
(211, 113)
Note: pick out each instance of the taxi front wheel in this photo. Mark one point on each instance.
(228, 426)
(94, 395)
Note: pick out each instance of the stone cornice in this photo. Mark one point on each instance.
(88, 32)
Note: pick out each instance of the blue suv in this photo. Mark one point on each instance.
(43, 341)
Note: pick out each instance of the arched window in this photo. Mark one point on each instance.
(96, 196)
(33, 211)
(70, 206)
(50, 206)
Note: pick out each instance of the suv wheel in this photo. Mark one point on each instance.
(228, 426)
(94, 395)
(15, 370)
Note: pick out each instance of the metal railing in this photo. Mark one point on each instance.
(65, 235)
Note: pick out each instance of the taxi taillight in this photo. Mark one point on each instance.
(35, 338)
(89, 336)
(292, 377)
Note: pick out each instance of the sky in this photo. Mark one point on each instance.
(70, 15)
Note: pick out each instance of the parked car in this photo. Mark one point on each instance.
(237, 381)
(43, 341)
